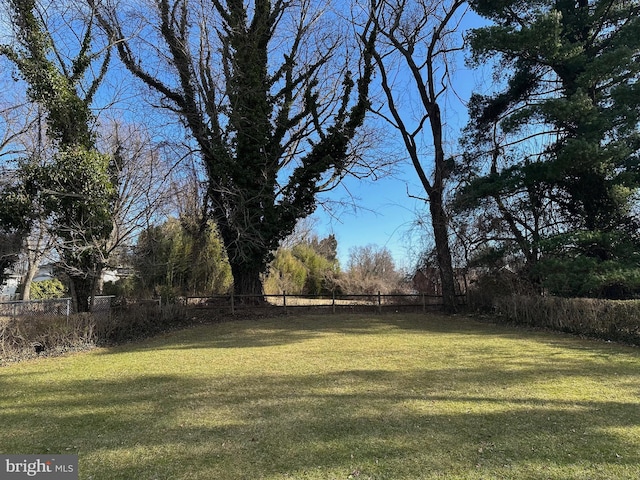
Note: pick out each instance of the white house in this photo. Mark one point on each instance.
(8, 290)
(46, 272)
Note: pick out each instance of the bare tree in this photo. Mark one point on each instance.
(16, 120)
(371, 261)
(412, 54)
(39, 242)
(141, 174)
(370, 269)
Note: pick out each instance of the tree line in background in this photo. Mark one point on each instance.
(164, 265)
(163, 261)
(260, 107)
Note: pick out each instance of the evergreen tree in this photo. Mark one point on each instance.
(562, 136)
(165, 263)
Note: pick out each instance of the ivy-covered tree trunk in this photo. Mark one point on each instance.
(248, 261)
(271, 114)
(82, 289)
(74, 187)
(247, 280)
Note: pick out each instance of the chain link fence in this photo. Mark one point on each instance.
(102, 304)
(57, 307)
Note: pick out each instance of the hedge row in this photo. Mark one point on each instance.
(28, 336)
(616, 320)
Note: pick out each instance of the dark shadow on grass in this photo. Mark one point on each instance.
(265, 332)
(372, 420)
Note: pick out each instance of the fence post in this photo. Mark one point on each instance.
(379, 302)
(333, 301)
(68, 307)
(233, 312)
(424, 303)
(284, 301)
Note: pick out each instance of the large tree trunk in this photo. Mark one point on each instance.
(248, 257)
(439, 219)
(247, 281)
(82, 291)
(443, 251)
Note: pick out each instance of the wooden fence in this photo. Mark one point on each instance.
(336, 302)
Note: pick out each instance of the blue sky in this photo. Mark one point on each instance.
(387, 216)
(383, 217)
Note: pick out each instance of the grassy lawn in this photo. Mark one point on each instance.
(335, 397)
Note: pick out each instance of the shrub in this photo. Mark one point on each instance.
(485, 288)
(300, 270)
(607, 319)
(124, 287)
(287, 273)
(181, 259)
(47, 289)
(138, 320)
(28, 336)
(319, 269)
